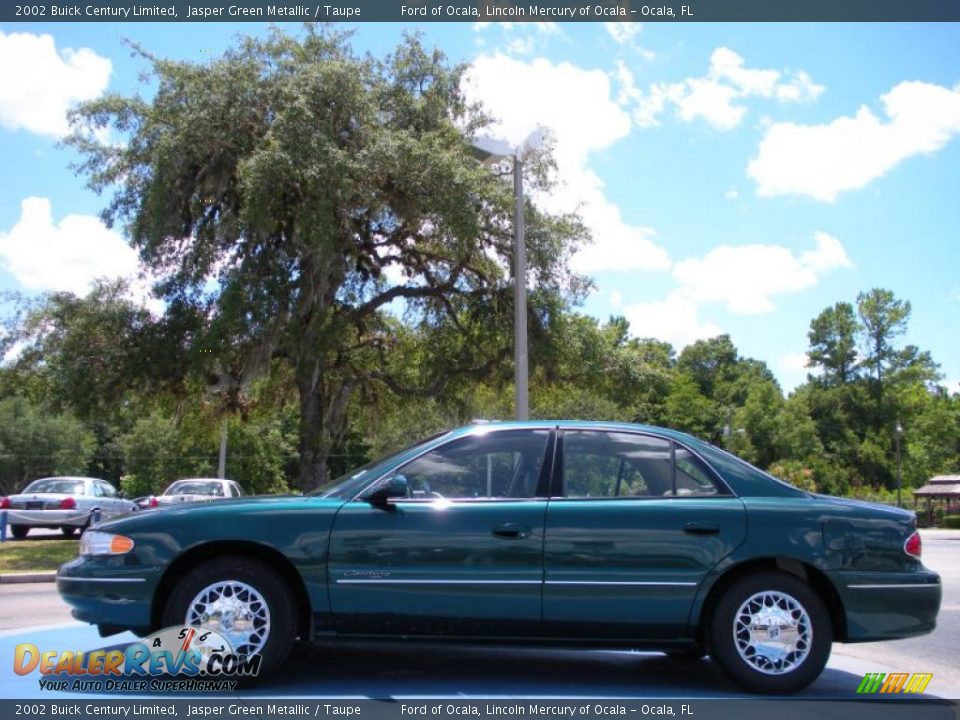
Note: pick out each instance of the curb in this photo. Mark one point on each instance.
(30, 577)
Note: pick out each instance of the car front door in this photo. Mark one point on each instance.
(637, 523)
(459, 553)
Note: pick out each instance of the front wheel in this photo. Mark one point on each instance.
(19, 531)
(243, 600)
(771, 633)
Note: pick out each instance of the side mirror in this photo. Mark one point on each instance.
(395, 486)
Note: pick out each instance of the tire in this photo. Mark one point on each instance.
(788, 651)
(68, 530)
(250, 579)
(19, 532)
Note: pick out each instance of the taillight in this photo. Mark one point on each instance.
(154, 502)
(68, 504)
(4, 503)
(913, 546)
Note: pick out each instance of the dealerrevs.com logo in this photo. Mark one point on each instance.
(176, 658)
(909, 683)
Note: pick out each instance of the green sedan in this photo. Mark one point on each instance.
(600, 535)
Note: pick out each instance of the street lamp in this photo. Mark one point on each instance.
(898, 433)
(490, 150)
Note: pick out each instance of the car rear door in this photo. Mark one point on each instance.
(636, 523)
(460, 554)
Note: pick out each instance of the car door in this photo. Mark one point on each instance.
(636, 523)
(110, 503)
(460, 553)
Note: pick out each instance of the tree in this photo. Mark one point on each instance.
(35, 443)
(833, 343)
(884, 319)
(289, 192)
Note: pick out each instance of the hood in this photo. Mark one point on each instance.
(197, 512)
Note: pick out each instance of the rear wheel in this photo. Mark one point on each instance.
(68, 530)
(19, 531)
(771, 633)
(244, 601)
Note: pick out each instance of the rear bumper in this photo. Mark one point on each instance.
(887, 606)
(48, 518)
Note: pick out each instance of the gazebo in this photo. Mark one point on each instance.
(940, 487)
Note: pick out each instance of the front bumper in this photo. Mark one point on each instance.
(887, 606)
(48, 518)
(104, 591)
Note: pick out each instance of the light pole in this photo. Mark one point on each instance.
(489, 150)
(898, 432)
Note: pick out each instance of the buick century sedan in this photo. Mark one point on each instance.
(542, 533)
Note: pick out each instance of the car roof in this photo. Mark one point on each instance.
(480, 426)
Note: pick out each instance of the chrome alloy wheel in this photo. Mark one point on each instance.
(772, 632)
(235, 610)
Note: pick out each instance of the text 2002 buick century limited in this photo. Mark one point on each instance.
(549, 533)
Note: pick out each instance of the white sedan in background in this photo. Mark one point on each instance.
(68, 503)
(194, 490)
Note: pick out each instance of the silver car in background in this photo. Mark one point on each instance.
(68, 503)
(194, 490)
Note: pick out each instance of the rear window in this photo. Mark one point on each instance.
(56, 486)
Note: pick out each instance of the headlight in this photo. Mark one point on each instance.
(101, 543)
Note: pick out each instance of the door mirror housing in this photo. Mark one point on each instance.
(395, 486)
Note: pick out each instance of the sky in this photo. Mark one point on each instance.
(737, 178)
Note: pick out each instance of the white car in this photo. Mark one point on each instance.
(68, 503)
(194, 490)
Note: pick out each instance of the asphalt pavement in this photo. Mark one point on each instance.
(34, 613)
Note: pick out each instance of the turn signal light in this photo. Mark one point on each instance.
(68, 504)
(913, 546)
(94, 542)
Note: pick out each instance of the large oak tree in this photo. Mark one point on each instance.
(289, 192)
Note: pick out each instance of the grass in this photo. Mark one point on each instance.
(38, 555)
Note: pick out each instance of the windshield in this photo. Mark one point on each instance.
(193, 487)
(349, 484)
(56, 485)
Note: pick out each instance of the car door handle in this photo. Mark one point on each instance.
(695, 528)
(511, 531)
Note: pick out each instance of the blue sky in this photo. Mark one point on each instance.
(737, 177)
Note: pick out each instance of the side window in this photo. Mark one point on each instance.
(97, 490)
(599, 464)
(499, 464)
(692, 477)
(107, 490)
(237, 490)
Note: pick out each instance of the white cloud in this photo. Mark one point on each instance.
(616, 299)
(577, 107)
(675, 320)
(793, 370)
(822, 161)
(716, 97)
(793, 361)
(40, 83)
(43, 255)
(746, 278)
(523, 38)
(731, 194)
(622, 32)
